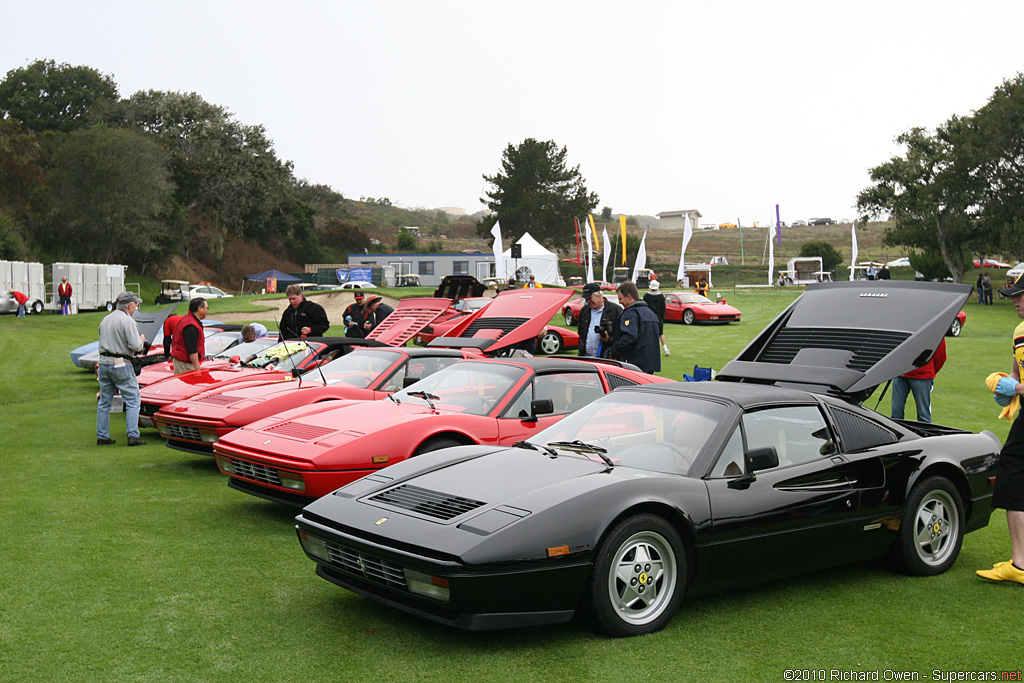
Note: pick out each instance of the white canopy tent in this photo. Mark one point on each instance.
(536, 261)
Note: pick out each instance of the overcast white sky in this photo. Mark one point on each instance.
(726, 107)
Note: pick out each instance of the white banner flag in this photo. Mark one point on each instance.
(641, 257)
(499, 258)
(590, 255)
(607, 253)
(687, 234)
(853, 249)
(771, 254)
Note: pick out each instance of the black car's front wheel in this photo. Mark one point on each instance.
(638, 578)
(932, 528)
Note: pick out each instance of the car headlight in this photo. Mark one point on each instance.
(315, 547)
(429, 586)
(225, 464)
(290, 480)
(206, 436)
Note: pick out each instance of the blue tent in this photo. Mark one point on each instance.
(282, 278)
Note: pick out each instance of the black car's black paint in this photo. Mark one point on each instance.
(523, 547)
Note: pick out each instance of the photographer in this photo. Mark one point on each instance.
(598, 335)
(636, 340)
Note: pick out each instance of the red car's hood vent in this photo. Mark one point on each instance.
(218, 399)
(411, 316)
(501, 325)
(426, 502)
(297, 430)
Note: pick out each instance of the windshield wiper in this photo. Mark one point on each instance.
(392, 397)
(425, 396)
(537, 447)
(587, 447)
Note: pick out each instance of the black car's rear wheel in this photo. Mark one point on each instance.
(688, 316)
(932, 528)
(638, 577)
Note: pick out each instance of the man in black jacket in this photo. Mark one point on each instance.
(302, 318)
(376, 311)
(656, 300)
(596, 336)
(637, 339)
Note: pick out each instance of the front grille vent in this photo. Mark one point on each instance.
(297, 430)
(183, 432)
(504, 325)
(148, 409)
(426, 502)
(365, 565)
(256, 472)
(868, 346)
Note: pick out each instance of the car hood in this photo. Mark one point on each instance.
(515, 316)
(845, 338)
(179, 387)
(411, 316)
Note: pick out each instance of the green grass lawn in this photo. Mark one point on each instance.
(140, 564)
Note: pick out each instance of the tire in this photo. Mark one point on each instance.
(551, 343)
(569, 320)
(109, 306)
(954, 329)
(37, 307)
(931, 529)
(638, 578)
(688, 316)
(437, 444)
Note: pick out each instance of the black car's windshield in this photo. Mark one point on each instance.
(467, 387)
(358, 368)
(648, 431)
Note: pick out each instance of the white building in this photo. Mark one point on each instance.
(673, 220)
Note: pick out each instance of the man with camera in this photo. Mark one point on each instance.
(597, 321)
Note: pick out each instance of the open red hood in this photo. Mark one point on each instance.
(514, 316)
(411, 316)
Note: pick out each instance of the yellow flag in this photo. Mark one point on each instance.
(593, 230)
(622, 224)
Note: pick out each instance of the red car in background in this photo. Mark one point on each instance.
(689, 308)
(302, 454)
(195, 424)
(571, 311)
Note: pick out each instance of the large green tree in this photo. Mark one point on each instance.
(46, 96)
(535, 192)
(110, 198)
(830, 256)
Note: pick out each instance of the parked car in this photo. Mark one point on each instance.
(204, 291)
(656, 493)
(171, 291)
(957, 325)
(689, 308)
(990, 263)
(1013, 274)
(799, 224)
(358, 284)
(301, 454)
(196, 423)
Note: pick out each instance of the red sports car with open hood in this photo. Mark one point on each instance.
(196, 423)
(305, 453)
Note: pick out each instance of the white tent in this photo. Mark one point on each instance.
(536, 261)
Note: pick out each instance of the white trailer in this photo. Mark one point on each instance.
(94, 286)
(27, 278)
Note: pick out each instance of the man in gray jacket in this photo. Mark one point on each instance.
(119, 341)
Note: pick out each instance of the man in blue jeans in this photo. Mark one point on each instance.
(119, 341)
(918, 382)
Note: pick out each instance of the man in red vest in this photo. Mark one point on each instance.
(64, 292)
(188, 343)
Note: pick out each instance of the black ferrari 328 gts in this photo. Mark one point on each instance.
(657, 492)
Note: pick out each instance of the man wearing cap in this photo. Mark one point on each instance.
(636, 338)
(302, 318)
(596, 336)
(511, 284)
(188, 342)
(119, 341)
(656, 300)
(64, 292)
(355, 316)
(1009, 487)
(376, 312)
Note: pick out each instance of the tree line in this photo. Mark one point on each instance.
(957, 192)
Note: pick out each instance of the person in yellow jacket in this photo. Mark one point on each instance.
(1009, 488)
(533, 284)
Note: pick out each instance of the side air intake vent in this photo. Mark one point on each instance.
(866, 346)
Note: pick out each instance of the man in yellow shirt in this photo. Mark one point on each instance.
(1009, 488)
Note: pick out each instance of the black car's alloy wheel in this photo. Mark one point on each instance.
(932, 528)
(638, 577)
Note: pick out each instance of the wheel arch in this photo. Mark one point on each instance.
(463, 439)
(679, 521)
(949, 472)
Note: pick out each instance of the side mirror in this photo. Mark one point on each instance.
(755, 459)
(540, 406)
(409, 381)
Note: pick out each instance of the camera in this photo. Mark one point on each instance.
(604, 327)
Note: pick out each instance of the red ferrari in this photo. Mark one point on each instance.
(302, 454)
(690, 308)
(195, 424)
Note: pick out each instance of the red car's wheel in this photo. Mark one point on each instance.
(688, 316)
(569, 320)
